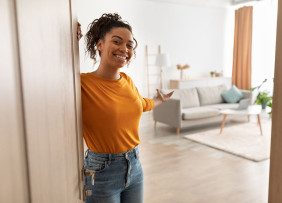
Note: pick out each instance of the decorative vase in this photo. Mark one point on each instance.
(181, 74)
(263, 105)
(182, 68)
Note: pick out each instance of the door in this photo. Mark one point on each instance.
(275, 177)
(13, 171)
(43, 143)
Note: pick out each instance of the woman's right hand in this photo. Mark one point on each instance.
(78, 33)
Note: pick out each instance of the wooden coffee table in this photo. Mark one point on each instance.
(251, 110)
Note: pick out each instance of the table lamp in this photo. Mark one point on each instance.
(162, 60)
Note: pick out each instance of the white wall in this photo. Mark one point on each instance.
(263, 41)
(200, 36)
(192, 35)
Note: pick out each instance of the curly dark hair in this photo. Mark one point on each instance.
(100, 27)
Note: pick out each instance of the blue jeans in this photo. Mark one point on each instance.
(113, 178)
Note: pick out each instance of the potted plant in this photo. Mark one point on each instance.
(263, 99)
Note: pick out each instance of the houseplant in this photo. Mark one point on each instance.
(263, 98)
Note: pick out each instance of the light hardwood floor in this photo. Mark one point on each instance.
(177, 170)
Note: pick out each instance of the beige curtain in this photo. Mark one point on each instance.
(242, 53)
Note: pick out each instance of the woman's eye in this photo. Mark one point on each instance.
(130, 46)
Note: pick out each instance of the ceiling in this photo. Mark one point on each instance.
(213, 3)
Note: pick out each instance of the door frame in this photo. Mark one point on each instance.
(275, 174)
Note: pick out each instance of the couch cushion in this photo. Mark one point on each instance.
(189, 98)
(211, 95)
(175, 95)
(233, 95)
(198, 113)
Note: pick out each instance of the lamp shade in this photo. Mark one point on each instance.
(162, 60)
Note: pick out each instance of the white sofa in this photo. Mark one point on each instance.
(194, 107)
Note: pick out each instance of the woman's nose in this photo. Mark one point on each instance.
(123, 48)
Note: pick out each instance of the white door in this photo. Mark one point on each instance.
(42, 146)
(13, 160)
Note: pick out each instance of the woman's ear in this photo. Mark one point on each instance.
(99, 45)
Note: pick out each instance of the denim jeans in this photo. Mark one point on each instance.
(113, 178)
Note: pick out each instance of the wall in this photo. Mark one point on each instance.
(264, 41)
(189, 34)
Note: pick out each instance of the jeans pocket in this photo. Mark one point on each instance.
(97, 164)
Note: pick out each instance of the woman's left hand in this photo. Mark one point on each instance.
(161, 97)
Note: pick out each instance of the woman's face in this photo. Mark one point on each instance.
(116, 49)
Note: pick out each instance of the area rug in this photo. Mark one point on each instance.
(242, 140)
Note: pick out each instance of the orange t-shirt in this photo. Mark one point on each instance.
(111, 111)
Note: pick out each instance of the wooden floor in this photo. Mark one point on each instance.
(177, 170)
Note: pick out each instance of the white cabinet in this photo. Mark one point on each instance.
(199, 82)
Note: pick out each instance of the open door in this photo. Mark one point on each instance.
(14, 177)
(275, 177)
(41, 143)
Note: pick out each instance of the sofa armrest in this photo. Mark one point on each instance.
(247, 94)
(169, 113)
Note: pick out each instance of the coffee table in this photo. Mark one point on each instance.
(251, 110)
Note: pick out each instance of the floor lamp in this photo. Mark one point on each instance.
(162, 60)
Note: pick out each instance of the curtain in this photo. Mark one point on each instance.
(242, 52)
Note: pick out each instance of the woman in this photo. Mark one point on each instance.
(111, 111)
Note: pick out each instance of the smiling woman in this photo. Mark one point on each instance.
(99, 34)
(117, 48)
(111, 111)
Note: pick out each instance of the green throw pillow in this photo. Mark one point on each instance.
(233, 95)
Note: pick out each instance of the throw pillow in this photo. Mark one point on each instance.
(233, 95)
(211, 95)
(189, 98)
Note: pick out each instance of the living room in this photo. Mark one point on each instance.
(200, 34)
(41, 130)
